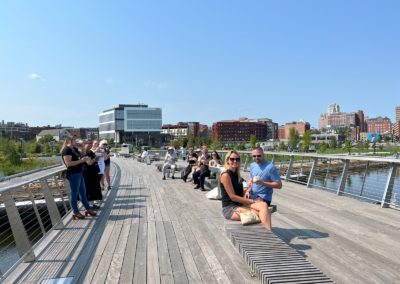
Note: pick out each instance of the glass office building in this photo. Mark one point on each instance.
(134, 124)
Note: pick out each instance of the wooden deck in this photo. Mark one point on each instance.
(154, 231)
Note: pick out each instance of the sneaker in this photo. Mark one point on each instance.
(173, 177)
(163, 178)
(197, 187)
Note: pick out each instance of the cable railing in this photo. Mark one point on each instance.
(30, 206)
(372, 179)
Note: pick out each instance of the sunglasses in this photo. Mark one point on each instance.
(234, 159)
(256, 156)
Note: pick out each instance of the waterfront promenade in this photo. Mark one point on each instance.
(155, 231)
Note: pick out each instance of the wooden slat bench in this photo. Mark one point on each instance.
(271, 259)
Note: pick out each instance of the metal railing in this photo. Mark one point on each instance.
(373, 179)
(30, 206)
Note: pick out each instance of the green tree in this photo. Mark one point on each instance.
(307, 140)
(35, 148)
(9, 153)
(347, 146)
(322, 147)
(176, 144)
(294, 138)
(282, 146)
(253, 140)
(333, 142)
(46, 139)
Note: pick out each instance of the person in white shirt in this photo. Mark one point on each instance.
(169, 161)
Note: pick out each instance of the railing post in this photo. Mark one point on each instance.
(61, 193)
(364, 178)
(387, 195)
(22, 242)
(273, 159)
(289, 169)
(312, 172)
(343, 178)
(36, 212)
(55, 216)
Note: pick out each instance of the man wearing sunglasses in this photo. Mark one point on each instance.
(264, 177)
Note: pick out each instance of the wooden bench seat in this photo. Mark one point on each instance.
(270, 258)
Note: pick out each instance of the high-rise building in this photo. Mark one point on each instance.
(396, 125)
(134, 124)
(334, 119)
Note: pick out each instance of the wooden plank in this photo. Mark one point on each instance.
(140, 269)
(178, 269)
(153, 269)
(163, 255)
(202, 265)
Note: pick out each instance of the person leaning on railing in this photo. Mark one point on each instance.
(73, 160)
(233, 195)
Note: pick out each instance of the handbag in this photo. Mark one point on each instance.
(248, 217)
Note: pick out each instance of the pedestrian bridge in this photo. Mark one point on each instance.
(154, 231)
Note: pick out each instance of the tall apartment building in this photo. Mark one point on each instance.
(380, 125)
(134, 124)
(396, 124)
(335, 119)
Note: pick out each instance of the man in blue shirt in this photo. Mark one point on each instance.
(264, 177)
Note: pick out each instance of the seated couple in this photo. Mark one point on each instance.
(257, 197)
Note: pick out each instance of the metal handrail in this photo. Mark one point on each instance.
(335, 173)
(26, 199)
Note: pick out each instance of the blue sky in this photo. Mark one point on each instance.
(66, 61)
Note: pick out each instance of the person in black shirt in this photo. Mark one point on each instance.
(234, 198)
(73, 161)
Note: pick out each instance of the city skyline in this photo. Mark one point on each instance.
(65, 63)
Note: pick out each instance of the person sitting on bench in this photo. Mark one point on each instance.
(169, 161)
(234, 198)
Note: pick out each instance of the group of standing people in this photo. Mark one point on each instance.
(86, 171)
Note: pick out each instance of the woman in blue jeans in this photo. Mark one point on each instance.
(73, 161)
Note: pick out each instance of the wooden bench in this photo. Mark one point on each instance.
(270, 258)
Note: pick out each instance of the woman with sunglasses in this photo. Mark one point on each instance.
(234, 196)
(73, 160)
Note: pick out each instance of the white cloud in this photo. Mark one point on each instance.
(156, 85)
(35, 76)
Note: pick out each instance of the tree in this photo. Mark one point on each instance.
(307, 140)
(282, 146)
(46, 139)
(253, 140)
(333, 142)
(9, 152)
(322, 147)
(293, 138)
(347, 146)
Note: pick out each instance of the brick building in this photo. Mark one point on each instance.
(239, 130)
(380, 125)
